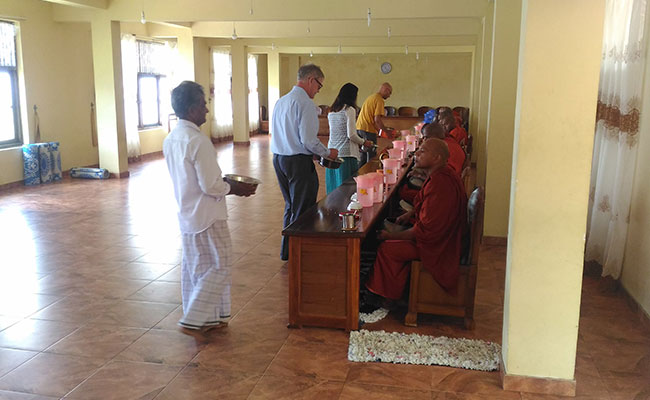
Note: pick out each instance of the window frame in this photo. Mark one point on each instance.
(158, 124)
(15, 96)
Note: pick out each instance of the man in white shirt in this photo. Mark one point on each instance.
(200, 192)
(294, 144)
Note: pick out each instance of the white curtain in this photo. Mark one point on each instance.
(220, 93)
(253, 95)
(617, 130)
(130, 87)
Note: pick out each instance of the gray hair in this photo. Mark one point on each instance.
(308, 71)
(186, 95)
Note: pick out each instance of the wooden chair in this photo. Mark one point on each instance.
(390, 111)
(423, 110)
(264, 120)
(426, 296)
(407, 112)
(324, 109)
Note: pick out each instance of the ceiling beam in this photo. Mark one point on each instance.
(98, 4)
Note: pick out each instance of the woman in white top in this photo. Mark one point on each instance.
(343, 136)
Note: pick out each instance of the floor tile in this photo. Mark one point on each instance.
(162, 292)
(6, 321)
(163, 347)
(24, 304)
(32, 334)
(137, 314)
(311, 360)
(405, 376)
(146, 271)
(12, 358)
(8, 395)
(49, 374)
(276, 387)
(101, 342)
(201, 384)
(238, 352)
(355, 391)
(121, 380)
(75, 308)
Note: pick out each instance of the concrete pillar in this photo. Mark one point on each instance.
(480, 114)
(109, 96)
(501, 116)
(274, 82)
(554, 128)
(239, 92)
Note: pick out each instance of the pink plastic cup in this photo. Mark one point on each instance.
(365, 189)
(391, 166)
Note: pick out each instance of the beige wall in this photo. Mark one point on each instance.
(636, 265)
(435, 79)
(289, 64)
(58, 77)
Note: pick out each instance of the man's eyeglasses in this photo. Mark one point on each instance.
(320, 85)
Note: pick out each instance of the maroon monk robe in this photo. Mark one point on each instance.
(456, 155)
(460, 135)
(441, 212)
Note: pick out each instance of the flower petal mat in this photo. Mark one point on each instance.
(374, 316)
(402, 348)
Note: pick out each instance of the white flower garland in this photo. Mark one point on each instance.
(374, 316)
(401, 348)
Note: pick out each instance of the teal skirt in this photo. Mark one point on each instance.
(335, 177)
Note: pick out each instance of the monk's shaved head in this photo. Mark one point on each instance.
(437, 146)
(447, 122)
(444, 110)
(433, 130)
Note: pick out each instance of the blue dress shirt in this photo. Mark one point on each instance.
(294, 126)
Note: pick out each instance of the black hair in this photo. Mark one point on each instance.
(347, 97)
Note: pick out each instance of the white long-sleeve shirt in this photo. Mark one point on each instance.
(199, 188)
(343, 133)
(294, 126)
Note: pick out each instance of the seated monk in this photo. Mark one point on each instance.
(454, 130)
(456, 153)
(455, 161)
(435, 238)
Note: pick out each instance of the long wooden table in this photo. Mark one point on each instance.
(324, 261)
(396, 122)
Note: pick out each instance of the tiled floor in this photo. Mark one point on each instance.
(89, 299)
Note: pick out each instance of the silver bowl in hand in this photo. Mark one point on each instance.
(242, 179)
(331, 163)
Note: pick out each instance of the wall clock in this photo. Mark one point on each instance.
(386, 67)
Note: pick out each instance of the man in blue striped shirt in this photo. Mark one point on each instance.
(294, 144)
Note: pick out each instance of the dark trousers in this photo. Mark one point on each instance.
(299, 185)
(368, 155)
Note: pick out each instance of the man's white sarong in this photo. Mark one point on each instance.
(206, 276)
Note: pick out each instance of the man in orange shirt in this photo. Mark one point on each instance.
(369, 121)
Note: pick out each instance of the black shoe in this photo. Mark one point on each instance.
(368, 308)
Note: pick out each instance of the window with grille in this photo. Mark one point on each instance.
(151, 83)
(10, 128)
